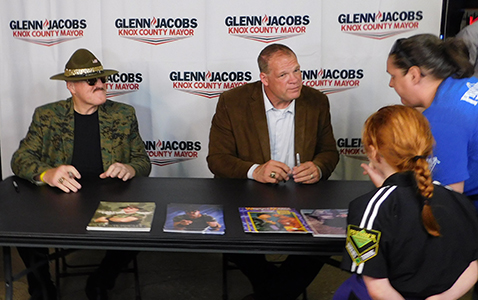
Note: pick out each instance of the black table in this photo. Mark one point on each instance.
(41, 216)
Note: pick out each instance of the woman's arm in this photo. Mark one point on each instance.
(462, 285)
(458, 187)
(380, 288)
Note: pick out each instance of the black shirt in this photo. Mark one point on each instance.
(416, 263)
(87, 146)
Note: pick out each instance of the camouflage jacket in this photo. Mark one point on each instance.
(49, 141)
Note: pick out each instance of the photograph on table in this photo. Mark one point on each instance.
(194, 218)
(272, 220)
(123, 216)
(326, 222)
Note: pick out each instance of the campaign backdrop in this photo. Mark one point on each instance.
(176, 57)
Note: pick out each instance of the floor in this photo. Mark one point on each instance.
(185, 276)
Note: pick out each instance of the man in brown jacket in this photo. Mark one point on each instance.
(270, 131)
(263, 135)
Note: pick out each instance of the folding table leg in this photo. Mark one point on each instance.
(7, 269)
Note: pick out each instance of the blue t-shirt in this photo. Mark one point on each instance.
(453, 117)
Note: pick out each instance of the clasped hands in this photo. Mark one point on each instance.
(275, 171)
(64, 177)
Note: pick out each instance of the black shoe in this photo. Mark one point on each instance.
(94, 291)
(37, 293)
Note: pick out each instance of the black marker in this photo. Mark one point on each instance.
(15, 185)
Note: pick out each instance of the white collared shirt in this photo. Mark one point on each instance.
(281, 125)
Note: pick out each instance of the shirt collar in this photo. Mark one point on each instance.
(268, 105)
(401, 179)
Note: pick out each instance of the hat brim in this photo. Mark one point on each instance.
(62, 76)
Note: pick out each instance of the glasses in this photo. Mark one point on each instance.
(92, 81)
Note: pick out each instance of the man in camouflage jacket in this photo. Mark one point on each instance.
(84, 133)
(49, 141)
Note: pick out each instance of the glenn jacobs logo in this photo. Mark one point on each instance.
(267, 29)
(351, 147)
(156, 31)
(123, 83)
(380, 25)
(331, 81)
(163, 153)
(208, 84)
(48, 32)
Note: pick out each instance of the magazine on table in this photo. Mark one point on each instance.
(194, 218)
(123, 216)
(326, 222)
(272, 220)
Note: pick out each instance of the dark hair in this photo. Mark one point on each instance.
(267, 52)
(439, 58)
(402, 136)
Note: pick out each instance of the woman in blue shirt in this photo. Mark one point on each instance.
(435, 77)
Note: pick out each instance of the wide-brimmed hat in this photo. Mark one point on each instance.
(81, 66)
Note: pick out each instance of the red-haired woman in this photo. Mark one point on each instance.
(409, 238)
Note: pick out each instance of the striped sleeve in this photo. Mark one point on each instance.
(363, 240)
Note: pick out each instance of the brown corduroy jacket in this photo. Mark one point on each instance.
(239, 136)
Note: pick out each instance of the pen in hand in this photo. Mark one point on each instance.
(297, 163)
(15, 185)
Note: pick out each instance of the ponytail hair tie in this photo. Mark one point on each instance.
(415, 158)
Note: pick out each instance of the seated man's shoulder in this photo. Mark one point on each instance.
(308, 92)
(242, 90)
(313, 97)
(118, 106)
(54, 108)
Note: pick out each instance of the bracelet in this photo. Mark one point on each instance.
(41, 176)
